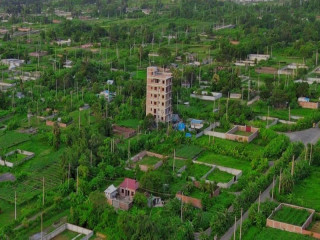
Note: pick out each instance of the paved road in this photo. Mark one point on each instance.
(311, 135)
(264, 196)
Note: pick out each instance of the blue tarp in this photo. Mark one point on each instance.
(188, 135)
(181, 126)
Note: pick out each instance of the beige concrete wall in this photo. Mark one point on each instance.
(310, 105)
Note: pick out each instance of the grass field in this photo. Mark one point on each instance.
(198, 170)
(12, 138)
(242, 133)
(149, 161)
(255, 233)
(68, 235)
(304, 191)
(282, 113)
(16, 157)
(291, 215)
(44, 163)
(253, 150)
(177, 164)
(130, 123)
(188, 151)
(219, 176)
(225, 161)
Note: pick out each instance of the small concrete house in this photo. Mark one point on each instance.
(196, 124)
(128, 188)
(111, 192)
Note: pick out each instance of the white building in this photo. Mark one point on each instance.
(111, 192)
(12, 63)
(258, 57)
(64, 42)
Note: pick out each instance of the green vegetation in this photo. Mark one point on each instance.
(117, 40)
(149, 161)
(68, 235)
(241, 133)
(188, 151)
(291, 215)
(219, 176)
(130, 123)
(10, 139)
(198, 170)
(303, 192)
(255, 233)
(15, 157)
(225, 161)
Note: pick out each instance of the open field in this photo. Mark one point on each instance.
(149, 161)
(219, 176)
(227, 146)
(12, 138)
(242, 133)
(255, 233)
(177, 163)
(188, 151)
(16, 157)
(291, 215)
(225, 161)
(304, 192)
(198, 170)
(68, 235)
(130, 123)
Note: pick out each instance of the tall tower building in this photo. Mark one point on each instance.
(159, 94)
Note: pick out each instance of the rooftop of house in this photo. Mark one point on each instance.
(110, 189)
(196, 121)
(130, 184)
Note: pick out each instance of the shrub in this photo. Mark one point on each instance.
(140, 200)
(276, 146)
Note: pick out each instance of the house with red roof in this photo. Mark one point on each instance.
(128, 188)
(122, 197)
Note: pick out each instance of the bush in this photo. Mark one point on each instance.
(12, 124)
(276, 146)
(140, 200)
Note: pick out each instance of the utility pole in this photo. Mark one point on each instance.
(15, 205)
(306, 153)
(129, 150)
(181, 206)
(259, 202)
(79, 120)
(292, 166)
(69, 176)
(77, 179)
(41, 226)
(268, 115)
(91, 157)
(174, 159)
(310, 155)
(280, 182)
(272, 189)
(241, 224)
(235, 228)
(289, 113)
(227, 109)
(43, 191)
